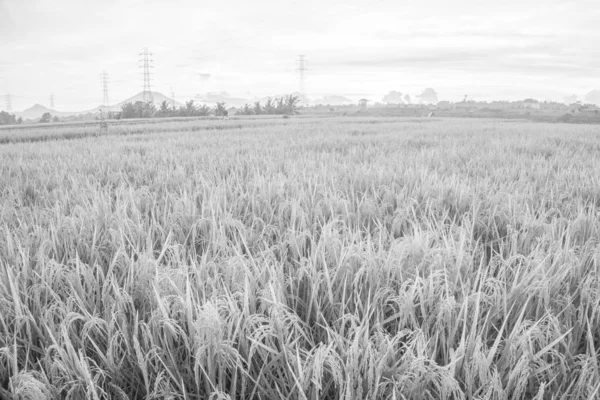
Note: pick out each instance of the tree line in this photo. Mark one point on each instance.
(148, 109)
(280, 105)
(9, 119)
(140, 109)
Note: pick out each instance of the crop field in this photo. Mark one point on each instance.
(301, 258)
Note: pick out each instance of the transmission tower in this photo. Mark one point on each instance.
(52, 101)
(146, 65)
(104, 81)
(8, 99)
(302, 67)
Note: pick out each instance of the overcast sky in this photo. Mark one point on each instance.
(508, 49)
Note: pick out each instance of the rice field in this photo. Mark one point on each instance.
(340, 258)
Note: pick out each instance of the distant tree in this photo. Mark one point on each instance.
(203, 110)
(139, 109)
(257, 108)
(393, 97)
(19, 120)
(429, 96)
(246, 110)
(291, 104)
(8, 119)
(46, 117)
(221, 109)
(269, 107)
(362, 104)
(407, 98)
(55, 119)
(280, 105)
(190, 108)
(288, 104)
(128, 110)
(164, 109)
(149, 110)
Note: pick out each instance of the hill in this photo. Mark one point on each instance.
(37, 110)
(157, 98)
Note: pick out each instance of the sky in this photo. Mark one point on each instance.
(509, 49)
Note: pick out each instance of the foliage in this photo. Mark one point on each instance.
(190, 108)
(428, 96)
(46, 117)
(269, 107)
(140, 109)
(287, 105)
(221, 109)
(164, 109)
(258, 110)
(246, 110)
(393, 97)
(8, 119)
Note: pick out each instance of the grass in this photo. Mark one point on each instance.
(302, 259)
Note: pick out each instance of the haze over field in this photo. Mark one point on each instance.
(489, 50)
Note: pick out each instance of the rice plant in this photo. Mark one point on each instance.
(304, 258)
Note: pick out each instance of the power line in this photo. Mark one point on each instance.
(104, 81)
(302, 67)
(146, 65)
(8, 100)
(52, 101)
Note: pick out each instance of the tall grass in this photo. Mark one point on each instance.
(323, 259)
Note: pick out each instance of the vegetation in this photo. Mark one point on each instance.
(141, 109)
(428, 96)
(337, 258)
(9, 119)
(287, 105)
(45, 118)
(221, 109)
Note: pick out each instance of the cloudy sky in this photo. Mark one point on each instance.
(507, 49)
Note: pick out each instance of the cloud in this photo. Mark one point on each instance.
(7, 25)
(352, 46)
(539, 57)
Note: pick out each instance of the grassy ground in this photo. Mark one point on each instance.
(302, 259)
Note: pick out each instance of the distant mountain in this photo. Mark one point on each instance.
(38, 110)
(157, 98)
